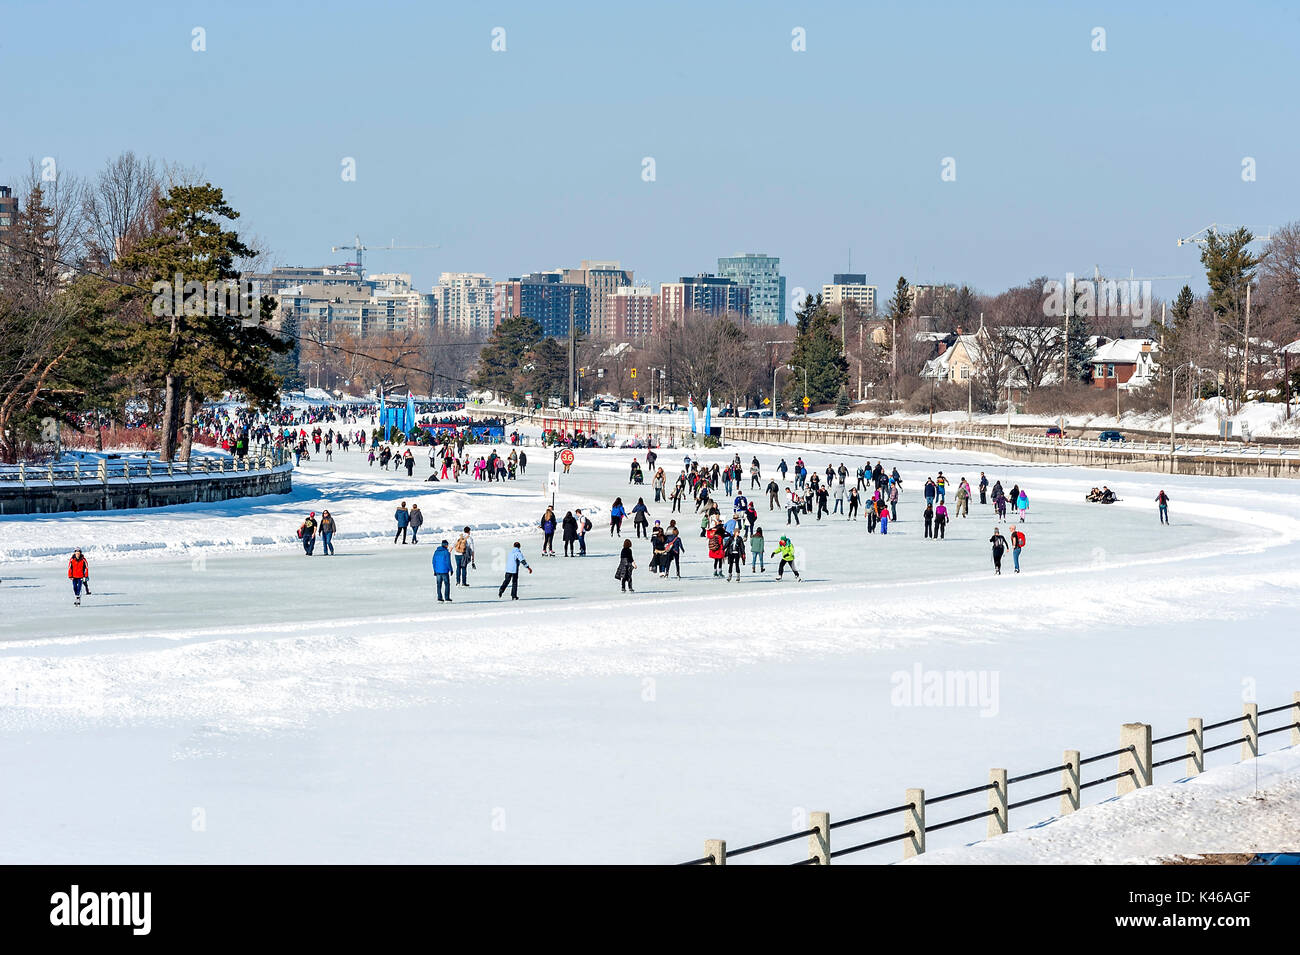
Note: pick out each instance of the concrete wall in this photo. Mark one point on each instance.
(160, 491)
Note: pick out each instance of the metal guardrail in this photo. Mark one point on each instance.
(1186, 445)
(128, 470)
(1136, 769)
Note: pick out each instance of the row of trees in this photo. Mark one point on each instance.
(81, 326)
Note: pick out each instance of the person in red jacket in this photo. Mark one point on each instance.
(79, 574)
(717, 548)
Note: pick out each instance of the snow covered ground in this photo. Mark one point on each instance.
(223, 698)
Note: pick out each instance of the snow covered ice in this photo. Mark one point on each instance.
(223, 698)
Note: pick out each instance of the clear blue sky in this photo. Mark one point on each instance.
(532, 158)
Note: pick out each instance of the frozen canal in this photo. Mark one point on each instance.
(221, 697)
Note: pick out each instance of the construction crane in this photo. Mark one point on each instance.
(1098, 277)
(361, 249)
(1201, 237)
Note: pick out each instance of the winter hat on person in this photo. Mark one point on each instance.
(444, 542)
(312, 514)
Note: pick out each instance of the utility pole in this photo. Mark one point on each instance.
(1245, 362)
(860, 395)
(1065, 331)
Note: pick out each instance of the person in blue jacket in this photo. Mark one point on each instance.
(616, 514)
(442, 571)
(514, 561)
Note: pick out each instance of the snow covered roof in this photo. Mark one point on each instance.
(1124, 351)
(1292, 348)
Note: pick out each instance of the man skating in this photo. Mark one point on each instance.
(786, 552)
(514, 561)
(1163, 500)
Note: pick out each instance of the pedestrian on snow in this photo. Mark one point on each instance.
(854, 501)
(717, 548)
(940, 520)
(999, 548)
(569, 532)
(442, 571)
(1163, 500)
(931, 492)
(735, 548)
(79, 574)
(756, 551)
(625, 567)
(893, 501)
(984, 488)
(961, 508)
(785, 550)
(1022, 504)
(417, 521)
(928, 517)
(1017, 545)
(884, 519)
(307, 532)
(547, 524)
(327, 529)
(514, 561)
(403, 518)
(464, 554)
(616, 514)
(675, 548)
(641, 518)
(584, 525)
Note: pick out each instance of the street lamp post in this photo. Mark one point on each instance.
(1173, 380)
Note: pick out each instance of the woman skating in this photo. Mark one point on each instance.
(616, 514)
(625, 567)
(548, 523)
(641, 518)
(999, 548)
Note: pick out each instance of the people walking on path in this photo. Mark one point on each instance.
(416, 521)
(616, 514)
(514, 561)
(1017, 545)
(928, 517)
(940, 520)
(403, 518)
(1163, 500)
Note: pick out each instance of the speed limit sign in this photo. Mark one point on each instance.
(566, 457)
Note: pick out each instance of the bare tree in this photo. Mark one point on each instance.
(119, 206)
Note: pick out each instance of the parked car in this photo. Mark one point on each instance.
(1055, 432)
(1111, 436)
(751, 414)
(726, 412)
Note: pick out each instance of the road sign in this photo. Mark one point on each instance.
(633, 372)
(806, 401)
(635, 394)
(767, 401)
(566, 457)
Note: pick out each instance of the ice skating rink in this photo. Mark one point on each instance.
(223, 698)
